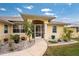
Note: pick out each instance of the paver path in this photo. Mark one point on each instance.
(38, 49)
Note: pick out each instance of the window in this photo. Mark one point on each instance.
(77, 29)
(54, 30)
(18, 29)
(21, 28)
(5, 28)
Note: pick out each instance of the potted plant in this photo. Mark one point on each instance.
(59, 40)
(5, 40)
(23, 38)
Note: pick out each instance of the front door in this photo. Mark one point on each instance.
(38, 30)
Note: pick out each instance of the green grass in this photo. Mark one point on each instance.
(65, 50)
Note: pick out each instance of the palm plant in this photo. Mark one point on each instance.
(28, 28)
(11, 46)
(67, 34)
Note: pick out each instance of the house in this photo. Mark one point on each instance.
(75, 29)
(44, 26)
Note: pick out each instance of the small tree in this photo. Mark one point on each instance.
(11, 46)
(67, 34)
(28, 28)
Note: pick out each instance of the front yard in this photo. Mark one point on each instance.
(63, 50)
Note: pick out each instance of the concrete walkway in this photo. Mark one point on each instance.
(38, 49)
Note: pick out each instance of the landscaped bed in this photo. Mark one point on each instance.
(63, 50)
(5, 48)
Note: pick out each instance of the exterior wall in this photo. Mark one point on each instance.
(2, 34)
(58, 34)
(60, 30)
(45, 27)
(45, 21)
(47, 32)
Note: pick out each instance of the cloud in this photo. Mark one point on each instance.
(69, 4)
(2, 9)
(66, 19)
(29, 7)
(46, 10)
(49, 14)
(19, 10)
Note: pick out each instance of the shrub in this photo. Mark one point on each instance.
(6, 40)
(53, 36)
(67, 35)
(52, 41)
(59, 40)
(65, 40)
(16, 38)
(23, 38)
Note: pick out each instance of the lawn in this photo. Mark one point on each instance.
(65, 50)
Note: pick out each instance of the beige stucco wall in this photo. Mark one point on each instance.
(59, 33)
(2, 34)
(45, 21)
(60, 30)
(48, 30)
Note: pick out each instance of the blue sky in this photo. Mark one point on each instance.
(65, 12)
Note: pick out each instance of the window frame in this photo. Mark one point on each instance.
(54, 29)
(5, 28)
(18, 28)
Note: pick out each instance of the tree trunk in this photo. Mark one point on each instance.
(29, 39)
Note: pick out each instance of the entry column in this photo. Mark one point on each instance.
(45, 31)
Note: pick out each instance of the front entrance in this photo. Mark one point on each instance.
(38, 30)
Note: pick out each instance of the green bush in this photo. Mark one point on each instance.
(67, 34)
(53, 36)
(16, 38)
(52, 41)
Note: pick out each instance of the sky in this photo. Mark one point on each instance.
(65, 12)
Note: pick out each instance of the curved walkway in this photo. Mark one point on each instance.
(38, 49)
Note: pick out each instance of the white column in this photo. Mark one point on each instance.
(45, 31)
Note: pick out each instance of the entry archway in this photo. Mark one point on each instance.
(38, 29)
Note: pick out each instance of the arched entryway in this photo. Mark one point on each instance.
(38, 29)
